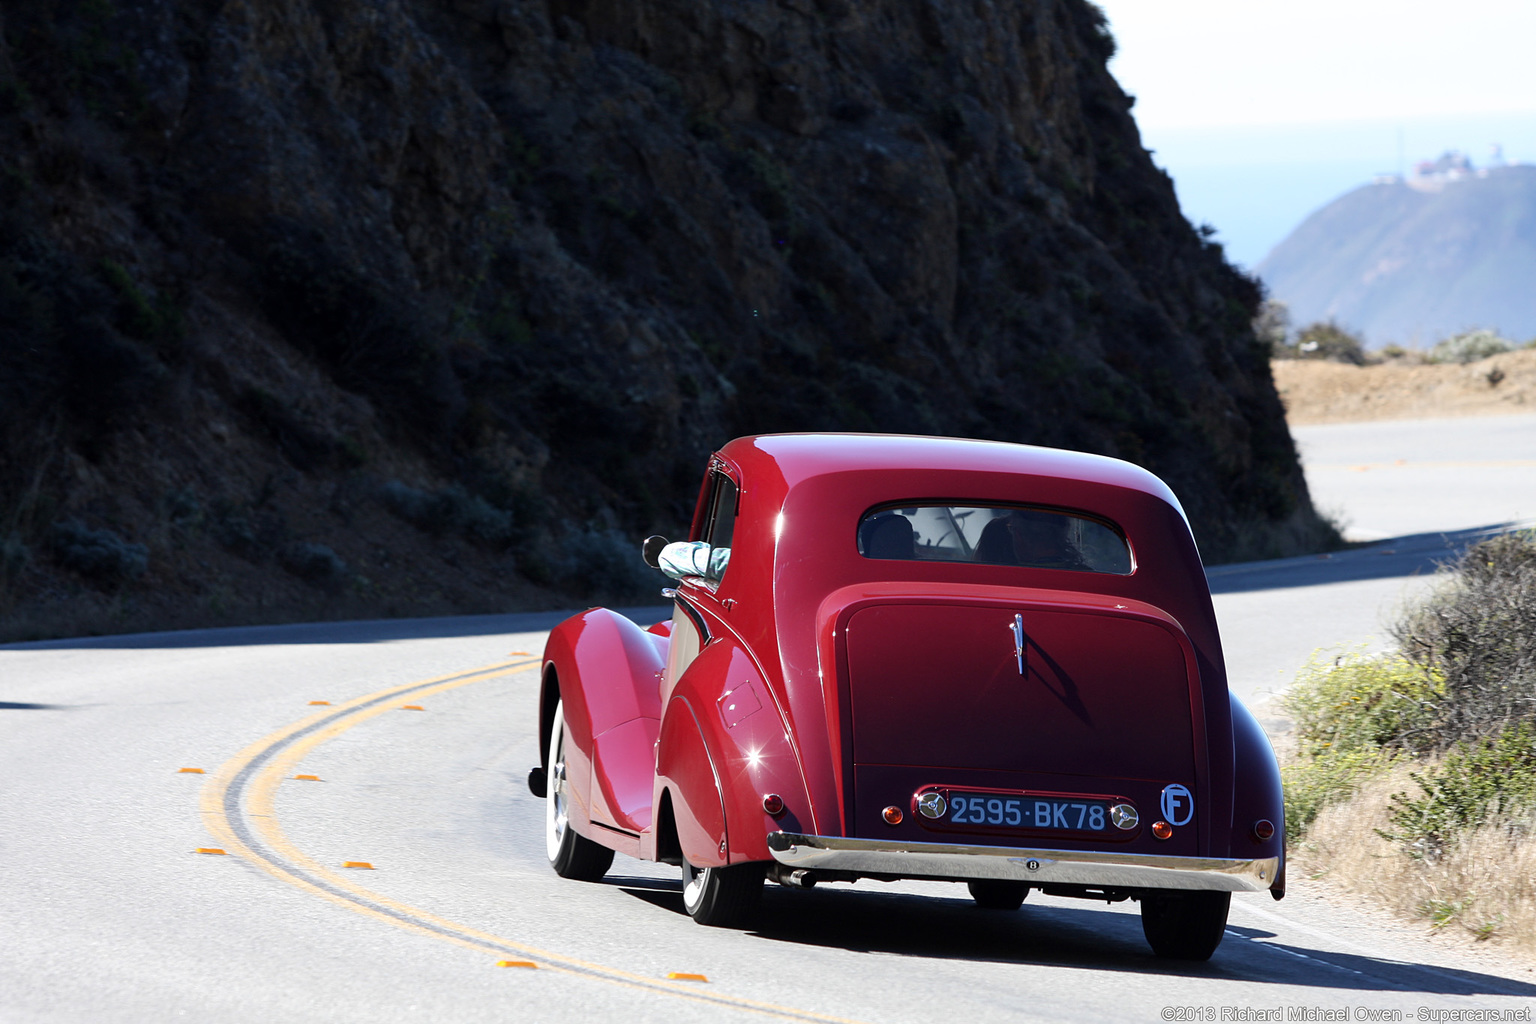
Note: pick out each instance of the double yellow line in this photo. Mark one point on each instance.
(238, 806)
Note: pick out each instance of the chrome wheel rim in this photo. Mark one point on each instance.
(693, 885)
(556, 814)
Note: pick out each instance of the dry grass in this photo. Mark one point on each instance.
(1317, 391)
(1484, 887)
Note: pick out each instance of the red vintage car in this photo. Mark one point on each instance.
(902, 657)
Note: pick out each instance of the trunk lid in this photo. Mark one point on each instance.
(1105, 701)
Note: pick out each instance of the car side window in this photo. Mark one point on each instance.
(721, 525)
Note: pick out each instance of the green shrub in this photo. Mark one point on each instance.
(156, 320)
(1477, 636)
(1476, 783)
(1315, 783)
(450, 510)
(1355, 714)
(1353, 702)
(99, 555)
(1464, 680)
(1469, 347)
(305, 448)
(595, 561)
(1325, 341)
(313, 563)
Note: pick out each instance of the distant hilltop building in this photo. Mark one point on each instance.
(1451, 166)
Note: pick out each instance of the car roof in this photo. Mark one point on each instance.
(800, 457)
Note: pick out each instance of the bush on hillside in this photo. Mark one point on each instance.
(1463, 684)
(604, 562)
(1355, 714)
(99, 555)
(450, 510)
(1476, 783)
(1469, 347)
(1322, 340)
(313, 563)
(1477, 635)
(1354, 702)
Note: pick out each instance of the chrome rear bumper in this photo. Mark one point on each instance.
(1097, 868)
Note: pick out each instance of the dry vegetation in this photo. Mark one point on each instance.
(1484, 886)
(1323, 391)
(1412, 776)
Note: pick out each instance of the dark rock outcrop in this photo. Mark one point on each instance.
(266, 257)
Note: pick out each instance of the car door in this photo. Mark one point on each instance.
(694, 599)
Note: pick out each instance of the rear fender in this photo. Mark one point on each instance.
(606, 671)
(1257, 794)
(686, 773)
(742, 738)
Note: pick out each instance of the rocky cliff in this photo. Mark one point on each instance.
(318, 307)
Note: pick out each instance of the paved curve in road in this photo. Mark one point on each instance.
(108, 913)
(1418, 491)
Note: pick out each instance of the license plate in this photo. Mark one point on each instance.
(994, 810)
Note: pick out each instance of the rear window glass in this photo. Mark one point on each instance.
(1037, 538)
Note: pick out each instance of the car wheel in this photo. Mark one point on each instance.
(1185, 925)
(725, 897)
(996, 894)
(571, 855)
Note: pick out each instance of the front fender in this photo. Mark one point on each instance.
(1257, 794)
(742, 736)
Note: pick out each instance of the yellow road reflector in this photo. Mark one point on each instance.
(412, 707)
(357, 864)
(307, 778)
(516, 963)
(684, 976)
(523, 654)
(325, 702)
(211, 849)
(189, 771)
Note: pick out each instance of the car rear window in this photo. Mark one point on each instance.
(1037, 538)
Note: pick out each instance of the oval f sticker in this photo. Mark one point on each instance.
(1178, 804)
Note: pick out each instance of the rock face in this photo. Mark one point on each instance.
(263, 260)
(1410, 266)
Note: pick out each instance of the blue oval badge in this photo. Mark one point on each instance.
(1178, 804)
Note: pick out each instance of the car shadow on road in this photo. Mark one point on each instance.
(1419, 554)
(371, 631)
(1059, 933)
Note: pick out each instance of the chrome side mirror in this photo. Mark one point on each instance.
(650, 550)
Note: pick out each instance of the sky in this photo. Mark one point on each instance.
(1263, 112)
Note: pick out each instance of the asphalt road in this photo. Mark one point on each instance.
(107, 913)
(1416, 493)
